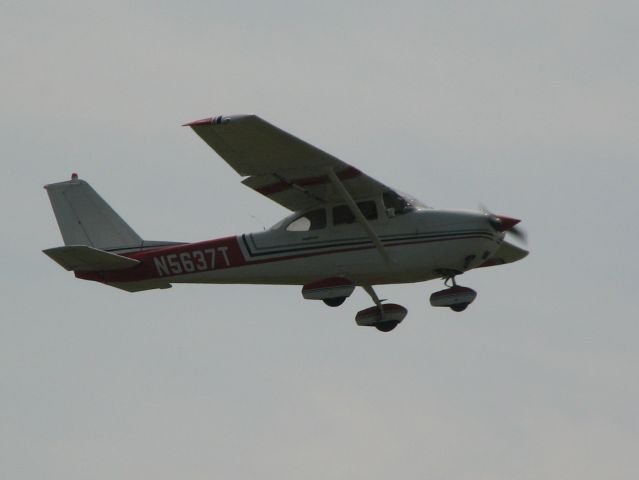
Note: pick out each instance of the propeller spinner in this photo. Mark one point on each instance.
(502, 223)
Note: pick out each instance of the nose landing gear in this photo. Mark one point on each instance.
(455, 297)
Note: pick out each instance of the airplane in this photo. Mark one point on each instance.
(347, 230)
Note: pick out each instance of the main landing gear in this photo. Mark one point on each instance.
(384, 317)
(455, 297)
(334, 291)
(334, 301)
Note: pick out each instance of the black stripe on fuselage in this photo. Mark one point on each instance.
(368, 246)
(356, 240)
(392, 240)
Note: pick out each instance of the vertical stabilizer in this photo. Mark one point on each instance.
(85, 218)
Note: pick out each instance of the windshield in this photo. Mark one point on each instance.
(281, 223)
(401, 204)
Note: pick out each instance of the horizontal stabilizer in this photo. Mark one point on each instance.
(83, 258)
(140, 286)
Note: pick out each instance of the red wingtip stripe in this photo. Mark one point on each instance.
(203, 121)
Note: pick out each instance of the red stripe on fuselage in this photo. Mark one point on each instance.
(199, 257)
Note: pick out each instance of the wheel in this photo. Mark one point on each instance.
(460, 307)
(386, 326)
(334, 302)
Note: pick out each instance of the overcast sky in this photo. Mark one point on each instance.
(528, 107)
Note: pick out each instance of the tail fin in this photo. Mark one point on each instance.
(85, 218)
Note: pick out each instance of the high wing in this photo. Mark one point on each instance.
(279, 165)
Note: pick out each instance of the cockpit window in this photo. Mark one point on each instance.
(342, 213)
(313, 220)
(400, 204)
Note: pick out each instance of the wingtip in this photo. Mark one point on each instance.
(203, 121)
(218, 120)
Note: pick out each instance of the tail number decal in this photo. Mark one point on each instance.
(193, 261)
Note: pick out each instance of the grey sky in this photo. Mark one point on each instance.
(530, 108)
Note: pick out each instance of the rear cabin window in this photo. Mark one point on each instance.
(342, 214)
(313, 220)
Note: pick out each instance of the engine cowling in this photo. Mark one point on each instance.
(453, 297)
(328, 288)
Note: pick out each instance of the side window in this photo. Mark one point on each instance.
(314, 220)
(342, 214)
(369, 209)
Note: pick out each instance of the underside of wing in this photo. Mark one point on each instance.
(279, 165)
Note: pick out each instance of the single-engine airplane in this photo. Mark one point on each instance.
(347, 230)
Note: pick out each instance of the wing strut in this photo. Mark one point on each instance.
(341, 189)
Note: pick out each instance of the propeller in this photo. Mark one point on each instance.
(502, 223)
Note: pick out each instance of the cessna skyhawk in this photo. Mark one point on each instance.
(346, 230)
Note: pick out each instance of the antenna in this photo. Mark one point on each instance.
(260, 222)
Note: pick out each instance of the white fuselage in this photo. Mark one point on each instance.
(420, 245)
